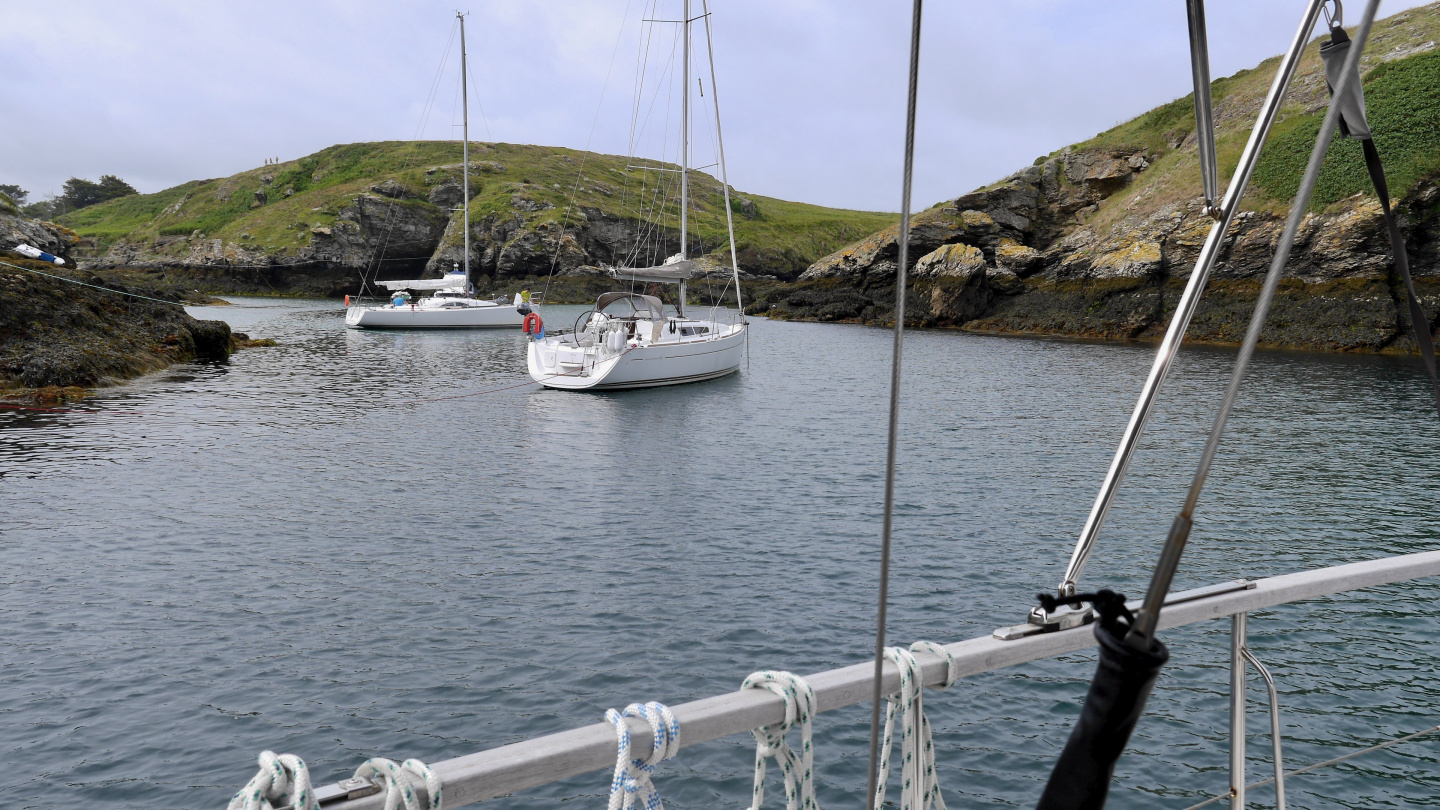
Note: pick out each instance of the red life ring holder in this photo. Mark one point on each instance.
(532, 324)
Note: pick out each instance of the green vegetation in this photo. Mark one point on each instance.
(1403, 107)
(537, 182)
(79, 193)
(15, 194)
(1403, 100)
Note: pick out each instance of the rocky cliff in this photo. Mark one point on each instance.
(55, 334)
(390, 210)
(1098, 239)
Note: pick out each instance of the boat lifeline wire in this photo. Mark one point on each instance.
(1317, 766)
(893, 437)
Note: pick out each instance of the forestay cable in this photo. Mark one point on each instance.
(897, 351)
(1148, 617)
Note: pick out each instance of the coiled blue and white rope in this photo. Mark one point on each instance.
(920, 787)
(799, 769)
(632, 776)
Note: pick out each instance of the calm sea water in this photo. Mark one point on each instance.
(338, 548)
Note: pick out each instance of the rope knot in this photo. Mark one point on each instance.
(632, 776)
(397, 779)
(919, 787)
(282, 779)
(798, 769)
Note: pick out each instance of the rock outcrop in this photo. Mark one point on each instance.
(1002, 260)
(53, 333)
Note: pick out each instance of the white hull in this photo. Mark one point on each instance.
(642, 366)
(418, 317)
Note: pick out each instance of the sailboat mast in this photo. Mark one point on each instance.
(685, 157)
(465, 149)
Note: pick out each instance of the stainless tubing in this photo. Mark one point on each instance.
(1274, 724)
(1189, 300)
(1237, 711)
(1204, 117)
(1147, 618)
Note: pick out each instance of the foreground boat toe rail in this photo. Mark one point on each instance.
(520, 766)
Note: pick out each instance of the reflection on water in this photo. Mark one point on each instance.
(340, 547)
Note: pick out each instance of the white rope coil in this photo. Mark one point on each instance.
(799, 769)
(283, 779)
(632, 776)
(919, 788)
(398, 788)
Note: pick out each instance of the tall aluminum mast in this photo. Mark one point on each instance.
(685, 158)
(465, 150)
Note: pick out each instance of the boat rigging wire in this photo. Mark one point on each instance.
(378, 257)
(1142, 632)
(1317, 766)
(584, 156)
(894, 429)
(92, 286)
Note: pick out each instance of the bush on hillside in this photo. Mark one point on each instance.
(1403, 101)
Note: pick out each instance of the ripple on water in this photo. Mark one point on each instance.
(313, 549)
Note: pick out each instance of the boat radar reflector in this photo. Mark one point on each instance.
(37, 253)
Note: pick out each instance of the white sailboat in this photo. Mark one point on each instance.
(628, 340)
(454, 305)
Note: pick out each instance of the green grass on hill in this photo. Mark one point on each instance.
(1402, 102)
(784, 235)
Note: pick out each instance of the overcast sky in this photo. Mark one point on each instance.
(812, 91)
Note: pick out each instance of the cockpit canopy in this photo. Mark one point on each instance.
(630, 305)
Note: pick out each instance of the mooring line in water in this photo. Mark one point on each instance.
(508, 387)
(1317, 766)
(92, 286)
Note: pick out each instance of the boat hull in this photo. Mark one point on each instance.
(491, 317)
(643, 366)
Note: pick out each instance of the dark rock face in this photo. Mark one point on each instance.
(49, 237)
(1024, 256)
(392, 190)
(447, 195)
(58, 334)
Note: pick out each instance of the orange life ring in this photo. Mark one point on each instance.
(532, 325)
(347, 300)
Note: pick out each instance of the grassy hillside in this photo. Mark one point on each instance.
(309, 193)
(1401, 71)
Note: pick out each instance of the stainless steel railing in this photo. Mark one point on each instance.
(511, 768)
